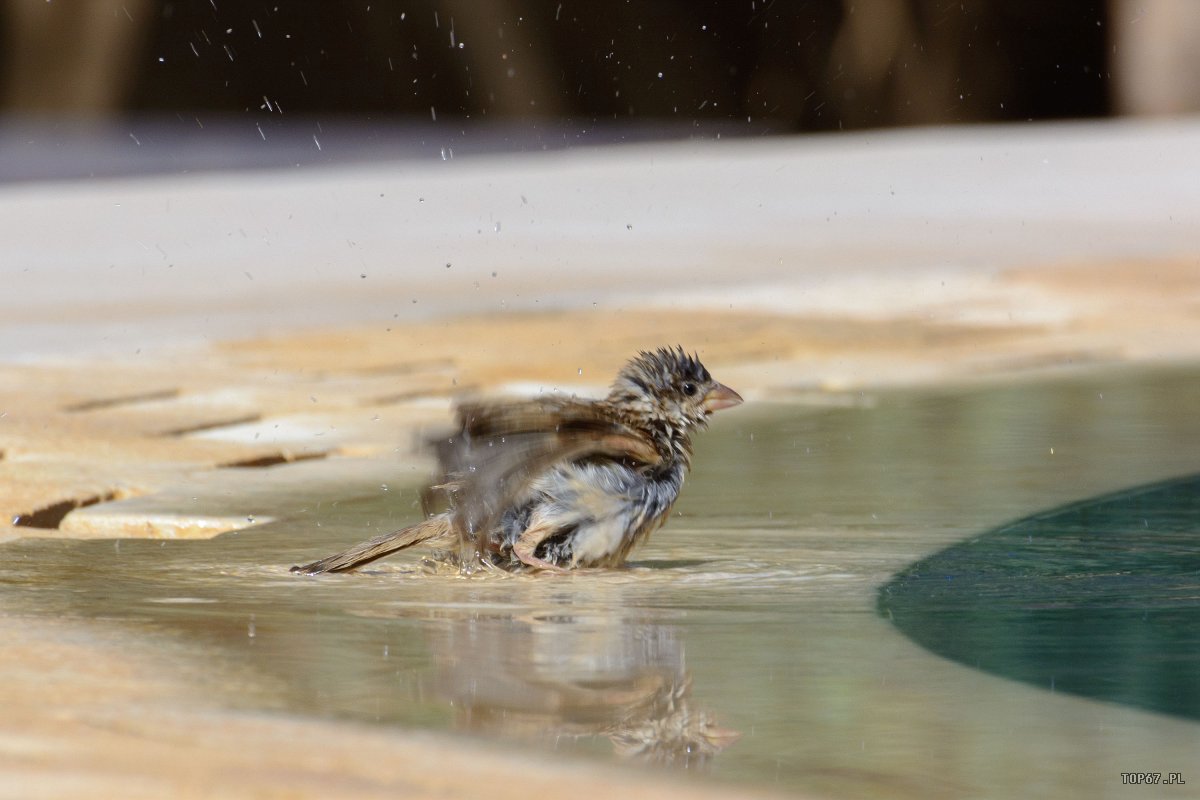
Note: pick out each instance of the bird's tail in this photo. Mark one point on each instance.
(365, 552)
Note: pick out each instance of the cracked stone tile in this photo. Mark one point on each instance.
(207, 503)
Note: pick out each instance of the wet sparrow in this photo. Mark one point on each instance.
(557, 483)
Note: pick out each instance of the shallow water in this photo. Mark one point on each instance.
(749, 640)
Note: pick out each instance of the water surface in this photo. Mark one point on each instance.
(746, 642)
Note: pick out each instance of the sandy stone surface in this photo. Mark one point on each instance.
(124, 447)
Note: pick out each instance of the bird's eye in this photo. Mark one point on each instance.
(689, 389)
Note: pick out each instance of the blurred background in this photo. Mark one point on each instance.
(570, 69)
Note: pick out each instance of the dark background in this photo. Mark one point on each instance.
(92, 88)
(807, 65)
(792, 64)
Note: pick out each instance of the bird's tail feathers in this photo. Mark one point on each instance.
(372, 549)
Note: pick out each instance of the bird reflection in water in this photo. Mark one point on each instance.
(545, 676)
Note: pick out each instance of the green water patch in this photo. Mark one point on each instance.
(1099, 598)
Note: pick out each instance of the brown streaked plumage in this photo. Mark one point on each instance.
(557, 483)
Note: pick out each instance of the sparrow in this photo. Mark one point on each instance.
(557, 483)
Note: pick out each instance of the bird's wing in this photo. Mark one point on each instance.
(500, 448)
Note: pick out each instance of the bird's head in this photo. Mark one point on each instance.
(671, 388)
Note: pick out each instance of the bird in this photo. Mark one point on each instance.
(556, 483)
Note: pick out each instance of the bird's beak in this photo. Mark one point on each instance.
(720, 396)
